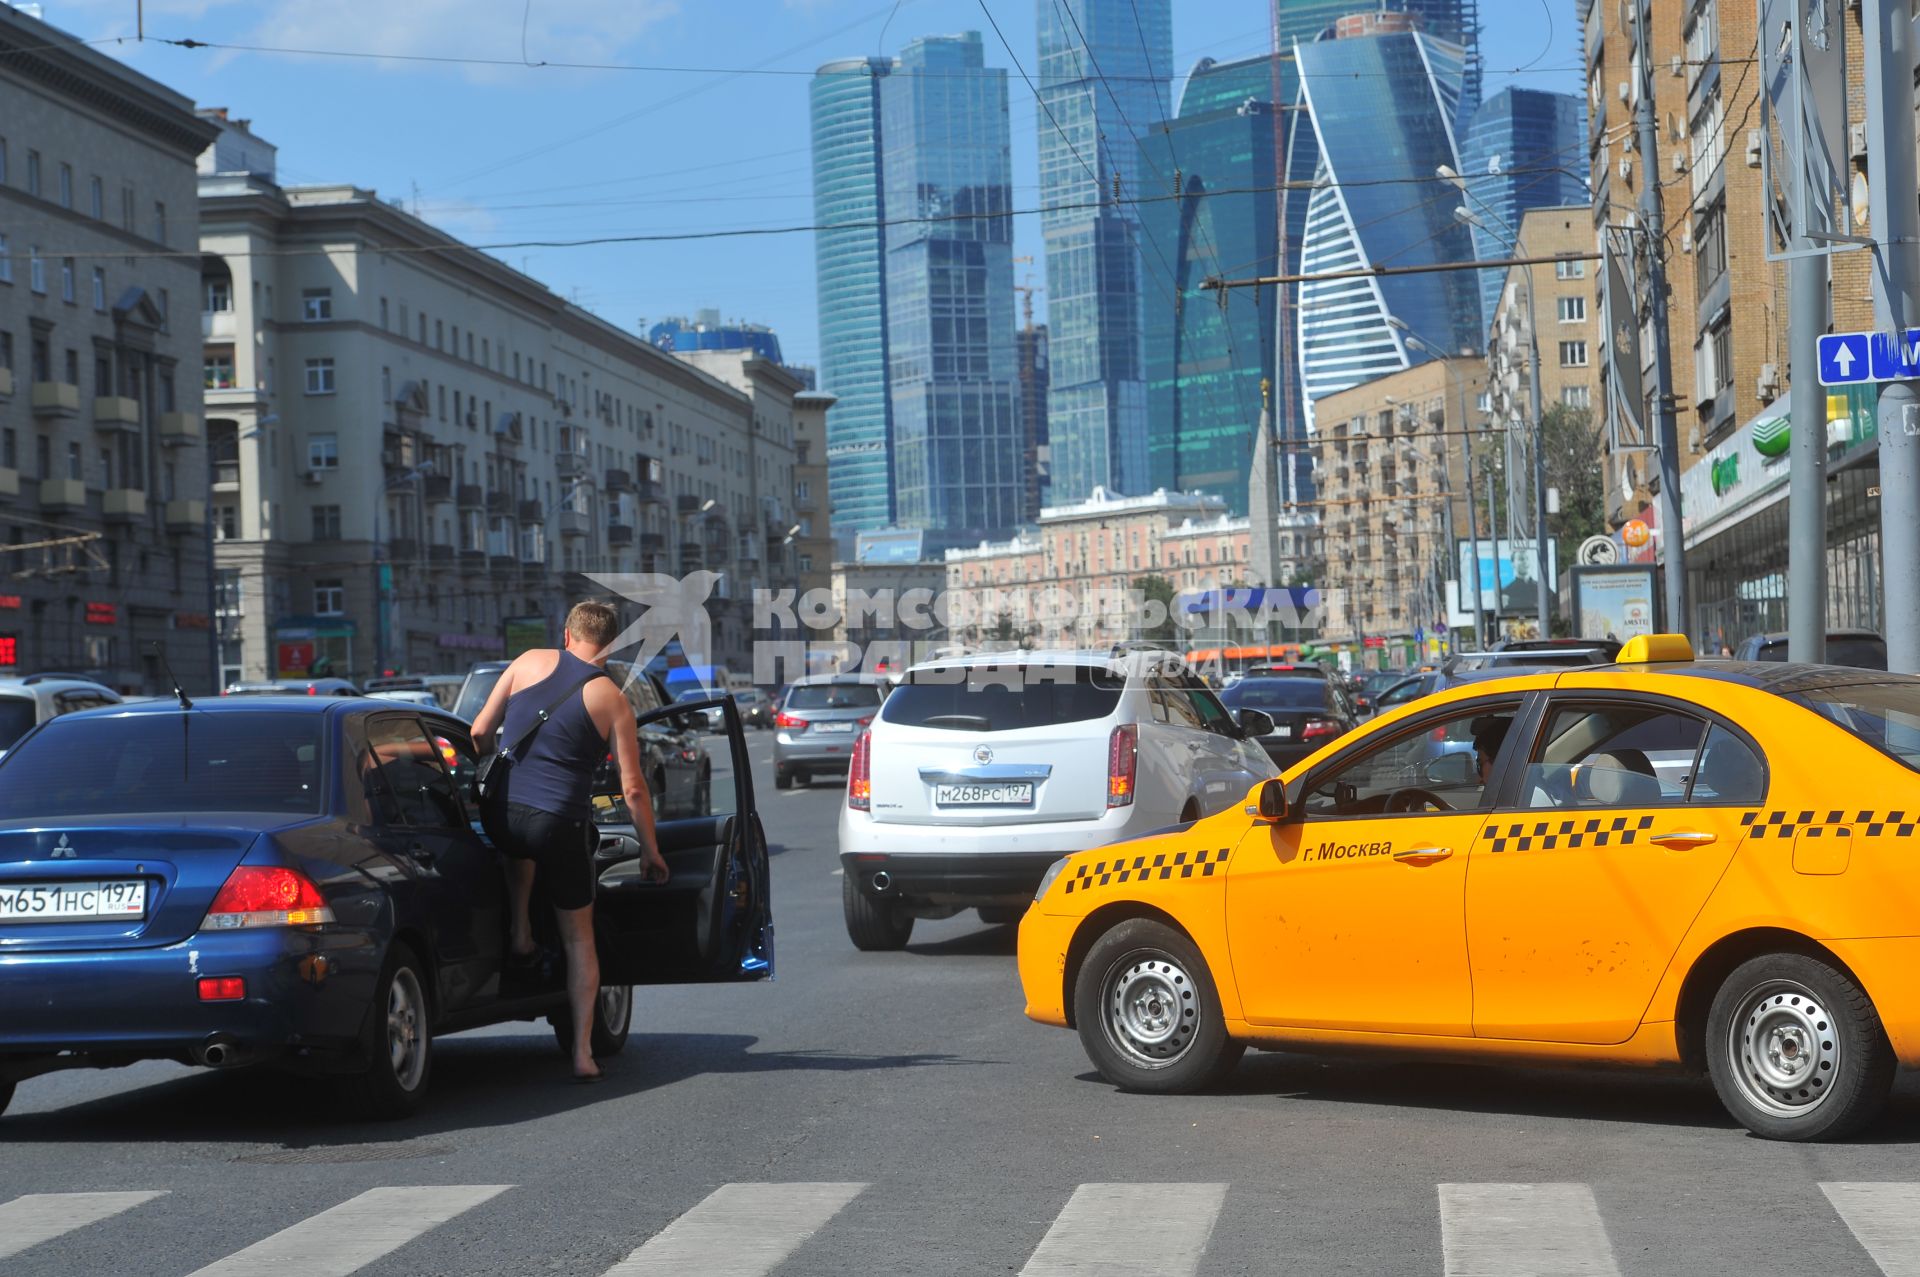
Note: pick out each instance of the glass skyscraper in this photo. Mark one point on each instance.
(1207, 356)
(1523, 149)
(1381, 98)
(1104, 68)
(849, 261)
(954, 381)
(1455, 21)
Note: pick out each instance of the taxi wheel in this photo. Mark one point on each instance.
(612, 1021)
(398, 1042)
(874, 925)
(1796, 1050)
(1147, 1012)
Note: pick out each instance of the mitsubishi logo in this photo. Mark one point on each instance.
(982, 754)
(63, 850)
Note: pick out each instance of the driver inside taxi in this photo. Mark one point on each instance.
(1489, 733)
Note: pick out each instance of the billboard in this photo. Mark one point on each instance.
(1507, 574)
(1614, 602)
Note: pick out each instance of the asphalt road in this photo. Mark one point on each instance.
(895, 1113)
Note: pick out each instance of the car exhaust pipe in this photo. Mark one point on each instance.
(882, 880)
(218, 1052)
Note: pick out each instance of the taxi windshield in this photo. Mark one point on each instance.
(1885, 715)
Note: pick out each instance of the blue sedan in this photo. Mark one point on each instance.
(303, 882)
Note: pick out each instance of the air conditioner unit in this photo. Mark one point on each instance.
(1679, 162)
(1753, 148)
(1686, 241)
(1625, 91)
(313, 478)
(1626, 169)
(1857, 141)
(1678, 66)
(1767, 384)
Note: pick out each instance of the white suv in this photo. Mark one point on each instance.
(979, 772)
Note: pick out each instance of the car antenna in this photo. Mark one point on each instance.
(160, 654)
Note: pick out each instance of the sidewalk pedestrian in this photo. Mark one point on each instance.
(555, 712)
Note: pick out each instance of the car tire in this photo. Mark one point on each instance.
(1796, 1050)
(874, 925)
(803, 779)
(1147, 1012)
(1000, 915)
(612, 1022)
(782, 778)
(398, 1042)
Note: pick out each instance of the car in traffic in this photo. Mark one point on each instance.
(709, 718)
(756, 708)
(979, 773)
(1301, 714)
(406, 696)
(293, 687)
(1664, 863)
(1369, 686)
(817, 723)
(1862, 649)
(25, 703)
(304, 882)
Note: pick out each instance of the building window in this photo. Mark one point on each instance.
(326, 523)
(36, 271)
(66, 279)
(126, 208)
(1577, 396)
(383, 314)
(100, 289)
(330, 597)
(226, 523)
(1573, 354)
(323, 452)
(6, 350)
(1710, 247)
(75, 467)
(217, 296)
(320, 376)
(6, 261)
(160, 221)
(97, 199)
(423, 328)
(10, 448)
(316, 304)
(33, 172)
(73, 366)
(102, 376)
(1573, 310)
(43, 456)
(3, 159)
(66, 186)
(439, 335)
(219, 372)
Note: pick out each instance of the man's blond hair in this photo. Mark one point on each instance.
(593, 623)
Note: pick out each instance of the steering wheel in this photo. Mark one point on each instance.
(1413, 799)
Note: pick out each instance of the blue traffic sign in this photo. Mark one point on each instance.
(1896, 360)
(1844, 359)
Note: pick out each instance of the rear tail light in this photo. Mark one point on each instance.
(1320, 729)
(787, 720)
(225, 988)
(266, 896)
(1123, 750)
(860, 774)
(864, 721)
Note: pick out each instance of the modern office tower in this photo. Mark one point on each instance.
(1455, 21)
(948, 184)
(1208, 357)
(849, 261)
(1030, 343)
(1104, 66)
(1523, 149)
(1380, 95)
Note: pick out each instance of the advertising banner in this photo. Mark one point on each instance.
(1507, 574)
(1614, 602)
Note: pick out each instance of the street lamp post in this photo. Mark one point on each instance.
(1468, 217)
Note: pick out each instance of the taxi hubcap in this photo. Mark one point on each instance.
(1785, 1050)
(1150, 1010)
(406, 1044)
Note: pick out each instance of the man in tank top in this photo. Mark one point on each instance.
(546, 828)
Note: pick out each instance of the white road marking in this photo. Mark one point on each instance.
(739, 1230)
(1118, 1230)
(38, 1217)
(1886, 1219)
(353, 1234)
(1523, 1230)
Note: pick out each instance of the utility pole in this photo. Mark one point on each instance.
(1895, 226)
(1666, 428)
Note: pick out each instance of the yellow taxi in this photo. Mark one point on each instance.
(1660, 862)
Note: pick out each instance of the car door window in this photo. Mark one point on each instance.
(1435, 760)
(408, 767)
(1400, 693)
(1179, 707)
(1212, 715)
(1613, 755)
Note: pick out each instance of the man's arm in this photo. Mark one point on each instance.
(488, 720)
(633, 781)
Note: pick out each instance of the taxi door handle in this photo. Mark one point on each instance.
(1422, 855)
(1684, 838)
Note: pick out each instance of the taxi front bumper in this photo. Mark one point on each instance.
(1042, 957)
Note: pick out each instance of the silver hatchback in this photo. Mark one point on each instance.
(818, 723)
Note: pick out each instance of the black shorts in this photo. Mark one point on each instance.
(561, 851)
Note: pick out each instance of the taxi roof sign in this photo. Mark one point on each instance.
(1643, 649)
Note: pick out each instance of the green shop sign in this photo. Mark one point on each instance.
(1726, 474)
(1770, 439)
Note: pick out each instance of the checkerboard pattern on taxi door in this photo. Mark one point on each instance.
(1159, 866)
(1550, 835)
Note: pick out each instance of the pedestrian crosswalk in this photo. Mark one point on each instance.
(1111, 1229)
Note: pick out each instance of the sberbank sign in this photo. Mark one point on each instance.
(1751, 464)
(1726, 473)
(1772, 436)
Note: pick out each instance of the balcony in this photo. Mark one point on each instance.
(440, 556)
(499, 503)
(687, 503)
(530, 511)
(123, 505)
(226, 474)
(473, 560)
(619, 535)
(217, 325)
(617, 481)
(403, 549)
(532, 573)
(56, 399)
(436, 487)
(573, 523)
(570, 465)
(471, 497)
(179, 429)
(116, 412)
(691, 559)
(186, 516)
(9, 483)
(503, 565)
(649, 492)
(652, 543)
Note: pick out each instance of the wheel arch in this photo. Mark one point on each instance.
(1718, 961)
(1097, 924)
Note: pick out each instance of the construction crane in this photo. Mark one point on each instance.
(1026, 291)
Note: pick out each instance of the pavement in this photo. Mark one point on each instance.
(896, 1114)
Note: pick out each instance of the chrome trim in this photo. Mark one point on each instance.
(986, 772)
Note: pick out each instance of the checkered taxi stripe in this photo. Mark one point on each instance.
(1551, 835)
(1154, 868)
(1785, 824)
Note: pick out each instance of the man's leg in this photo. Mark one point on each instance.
(583, 981)
(520, 878)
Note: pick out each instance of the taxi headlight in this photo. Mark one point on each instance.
(1046, 879)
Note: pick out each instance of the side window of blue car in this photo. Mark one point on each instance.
(407, 778)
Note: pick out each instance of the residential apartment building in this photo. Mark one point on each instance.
(1569, 316)
(1391, 460)
(103, 480)
(421, 456)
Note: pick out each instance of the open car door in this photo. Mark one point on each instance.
(712, 919)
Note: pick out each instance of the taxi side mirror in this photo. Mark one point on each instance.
(1269, 802)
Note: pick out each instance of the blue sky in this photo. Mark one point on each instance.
(502, 151)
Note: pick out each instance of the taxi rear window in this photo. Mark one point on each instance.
(1885, 715)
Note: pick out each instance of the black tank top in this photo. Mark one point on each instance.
(554, 772)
